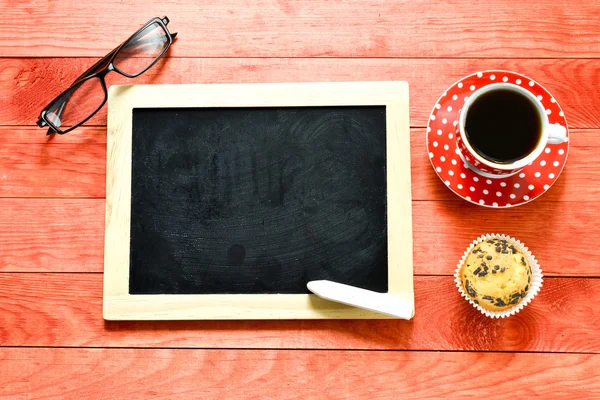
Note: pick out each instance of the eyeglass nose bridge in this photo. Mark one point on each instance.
(109, 68)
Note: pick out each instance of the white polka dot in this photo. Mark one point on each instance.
(430, 155)
(512, 196)
(485, 191)
(540, 97)
(551, 176)
(442, 158)
(466, 98)
(444, 94)
(492, 77)
(468, 198)
(460, 84)
(505, 79)
(479, 74)
(481, 202)
(489, 181)
(543, 162)
(450, 136)
(435, 144)
(537, 174)
(552, 100)
(432, 117)
(472, 189)
(455, 123)
(444, 120)
(525, 197)
(561, 152)
(472, 87)
(494, 204)
(451, 173)
(439, 131)
(449, 108)
(503, 184)
(518, 81)
(517, 185)
(463, 176)
(531, 83)
(428, 129)
(439, 169)
(531, 187)
(476, 179)
(453, 162)
(548, 111)
(547, 151)
(499, 194)
(459, 186)
(508, 205)
(438, 106)
(455, 97)
(522, 175)
(446, 147)
(447, 183)
(546, 187)
(556, 163)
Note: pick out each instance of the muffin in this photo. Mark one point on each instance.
(495, 275)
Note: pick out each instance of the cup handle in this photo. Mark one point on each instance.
(557, 134)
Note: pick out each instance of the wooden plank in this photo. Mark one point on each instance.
(66, 235)
(270, 28)
(55, 235)
(27, 85)
(65, 310)
(76, 167)
(25, 135)
(288, 374)
(443, 230)
(68, 170)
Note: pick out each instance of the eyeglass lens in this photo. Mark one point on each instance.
(77, 104)
(141, 50)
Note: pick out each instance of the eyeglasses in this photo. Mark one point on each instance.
(88, 94)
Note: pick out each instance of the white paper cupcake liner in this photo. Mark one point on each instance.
(534, 286)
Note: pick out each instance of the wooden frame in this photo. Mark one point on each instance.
(120, 305)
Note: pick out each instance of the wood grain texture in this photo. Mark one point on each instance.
(285, 374)
(66, 235)
(69, 170)
(27, 85)
(65, 310)
(271, 28)
(57, 235)
(74, 166)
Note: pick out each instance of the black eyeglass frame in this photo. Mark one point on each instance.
(99, 70)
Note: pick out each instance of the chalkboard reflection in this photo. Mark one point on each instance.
(257, 200)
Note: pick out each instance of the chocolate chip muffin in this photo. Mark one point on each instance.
(496, 275)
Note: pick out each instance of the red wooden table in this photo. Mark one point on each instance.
(53, 340)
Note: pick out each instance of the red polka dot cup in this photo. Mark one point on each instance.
(547, 133)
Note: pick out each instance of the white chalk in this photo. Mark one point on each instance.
(378, 302)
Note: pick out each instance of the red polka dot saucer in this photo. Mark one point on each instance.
(465, 180)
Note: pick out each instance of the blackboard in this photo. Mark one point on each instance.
(257, 200)
(223, 201)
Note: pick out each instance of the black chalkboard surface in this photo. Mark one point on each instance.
(257, 200)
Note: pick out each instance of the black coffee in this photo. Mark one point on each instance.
(503, 126)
